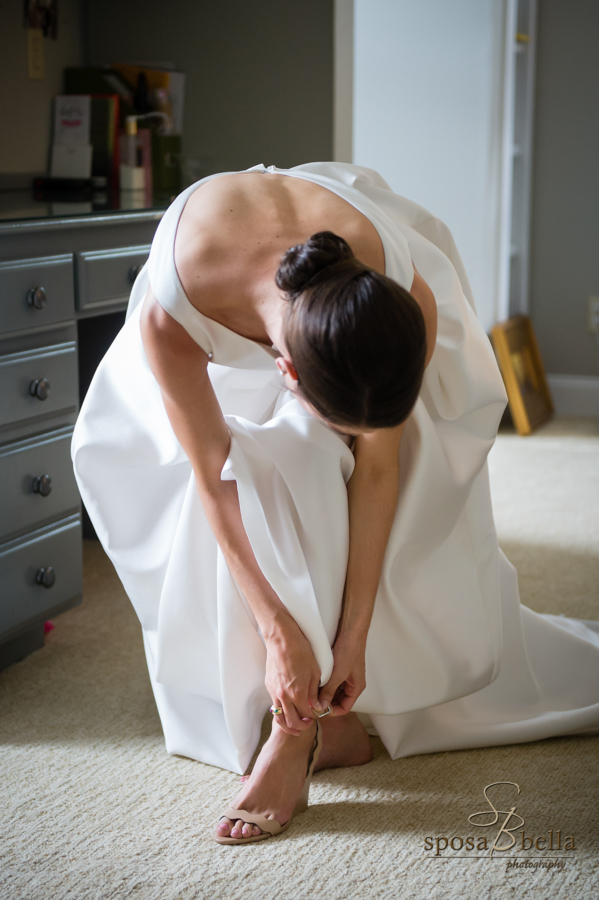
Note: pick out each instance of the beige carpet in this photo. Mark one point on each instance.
(92, 807)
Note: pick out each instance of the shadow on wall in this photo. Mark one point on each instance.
(259, 75)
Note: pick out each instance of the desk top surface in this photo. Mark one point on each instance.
(19, 210)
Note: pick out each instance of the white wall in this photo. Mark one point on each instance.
(427, 114)
(565, 208)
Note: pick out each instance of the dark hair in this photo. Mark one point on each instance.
(356, 338)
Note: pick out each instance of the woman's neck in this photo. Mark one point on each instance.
(271, 310)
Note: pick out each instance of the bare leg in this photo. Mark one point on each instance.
(345, 742)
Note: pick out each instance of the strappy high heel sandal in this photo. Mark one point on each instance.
(271, 827)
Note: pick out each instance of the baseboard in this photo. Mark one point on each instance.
(575, 395)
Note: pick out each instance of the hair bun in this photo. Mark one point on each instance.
(300, 264)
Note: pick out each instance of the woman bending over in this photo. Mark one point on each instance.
(351, 347)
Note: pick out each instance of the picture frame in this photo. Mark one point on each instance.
(523, 373)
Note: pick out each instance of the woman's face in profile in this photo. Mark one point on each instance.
(289, 376)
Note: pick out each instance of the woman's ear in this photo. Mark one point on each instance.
(287, 370)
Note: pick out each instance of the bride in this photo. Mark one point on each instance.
(284, 455)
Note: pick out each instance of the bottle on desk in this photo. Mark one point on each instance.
(131, 170)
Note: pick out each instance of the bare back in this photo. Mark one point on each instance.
(234, 230)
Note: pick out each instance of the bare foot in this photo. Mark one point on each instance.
(276, 782)
(345, 742)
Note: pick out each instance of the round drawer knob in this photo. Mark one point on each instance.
(134, 272)
(40, 388)
(42, 485)
(36, 297)
(46, 577)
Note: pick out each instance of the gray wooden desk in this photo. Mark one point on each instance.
(64, 285)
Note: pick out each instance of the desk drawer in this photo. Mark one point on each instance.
(51, 555)
(36, 292)
(105, 277)
(38, 383)
(38, 484)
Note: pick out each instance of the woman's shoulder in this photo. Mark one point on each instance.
(213, 228)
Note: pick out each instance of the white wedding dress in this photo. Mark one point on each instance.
(453, 660)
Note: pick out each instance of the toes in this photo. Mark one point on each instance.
(243, 829)
(224, 827)
(236, 830)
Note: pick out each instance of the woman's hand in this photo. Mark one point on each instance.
(348, 678)
(292, 677)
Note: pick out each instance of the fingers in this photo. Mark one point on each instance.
(304, 706)
(325, 697)
(306, 701)
(341, 697)
(297, 712)
(292, 676)
(292, 720)
(288, 720)
(313, 699)
(342, 705)
(281, 718)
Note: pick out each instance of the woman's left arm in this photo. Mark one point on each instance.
(372, 491)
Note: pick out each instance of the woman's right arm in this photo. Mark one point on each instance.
(179, 365)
